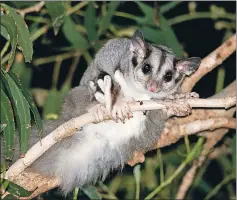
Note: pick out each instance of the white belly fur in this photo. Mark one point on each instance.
(117, 133)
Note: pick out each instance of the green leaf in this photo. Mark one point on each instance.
(73, 36)
(90, 22)
(22, 4)
(21, 111)
(24, 73)
(234, 154)
(165, 35)
(105, 22)
(9, 24)
(148, 12)
(57, 12)
(170, 37)
(18, 190)
(168, 6)
(2, 126)
(4, 33)
(9, 197)
(24, 39)
(91, 192)
(9, 131)
(154, 35)
(30, 101)
(52, 105)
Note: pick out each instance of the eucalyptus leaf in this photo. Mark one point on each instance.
(30, 101)
(91, 192)
(154, 35)
(10, 26)
(22, 72)
(9, 197)
(170, 37)
(18, 190)
(90, 22)
(148, 12)
(4, 33)
(7, 118)
(52, 105)
(73, 36)
(21, 111)
(24, 40)
(57, 12)
(2, 126)
(105, 22)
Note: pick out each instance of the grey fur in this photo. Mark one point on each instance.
(90, 154)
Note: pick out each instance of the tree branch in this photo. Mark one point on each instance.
(73, 125)
(210, 62)
(189, 176)
(35, 8)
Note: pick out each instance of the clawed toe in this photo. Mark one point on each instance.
(99, 112)
(190, 95)
(121, 111)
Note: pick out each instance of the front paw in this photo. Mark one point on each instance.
(99, 112)
(121, 111)
(191, 95)
(179, 109)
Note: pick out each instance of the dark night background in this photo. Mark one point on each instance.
(198, 37)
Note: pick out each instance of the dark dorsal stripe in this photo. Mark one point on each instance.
(162, 60)
(134, 61)
(148, 52)
(179, 78)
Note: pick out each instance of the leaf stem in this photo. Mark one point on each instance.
(75, 193)
(5, 48)
(125, 15)
(161, 166)
(56, 72)
(37, 19)
(40, 32)
(64, 56)
(76, 8)
(226, 180)
(220, 79)
(170, 5)
(198, 15)
(190, 157)
(72, 70)
(187, 144)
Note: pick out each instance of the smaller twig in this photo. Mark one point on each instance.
(189, 176)
(35, 8)
(5, 48)
(40, 32)
(169, 137)
(217, 152)
(187, 160)
(199, 15)
(226, 180)
(37, 19)
(56, 73)
(72, 70)
(76, 8)
(210, 62)
(162, 176)
(50, 59)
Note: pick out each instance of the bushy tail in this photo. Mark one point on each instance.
(79, 160)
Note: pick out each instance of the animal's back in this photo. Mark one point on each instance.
(107, 59)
